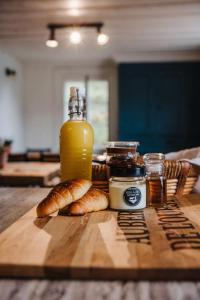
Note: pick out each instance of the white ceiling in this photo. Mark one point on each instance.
(134, 27)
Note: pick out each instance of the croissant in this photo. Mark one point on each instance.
(63, 194)
(93, 200)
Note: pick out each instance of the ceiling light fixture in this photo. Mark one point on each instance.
(102, 38)
(75, 36)
(51, 42)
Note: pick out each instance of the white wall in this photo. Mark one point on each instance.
(11, 102)
(44, 88)
(38, 104)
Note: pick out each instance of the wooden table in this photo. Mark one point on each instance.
(28, 173)
(22, 199)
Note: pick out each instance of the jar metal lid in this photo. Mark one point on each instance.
(153, 157)
(122, 147)
(119, 144)
(135, 171)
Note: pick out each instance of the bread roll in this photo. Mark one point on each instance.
(93, 200)
(62, 195)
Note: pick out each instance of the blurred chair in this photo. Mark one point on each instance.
(35, 154)
(17, 157)
(50, 157)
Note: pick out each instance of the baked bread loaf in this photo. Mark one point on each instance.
(62, 195)
(93, 200)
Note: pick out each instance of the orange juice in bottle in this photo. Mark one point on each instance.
(76, 141)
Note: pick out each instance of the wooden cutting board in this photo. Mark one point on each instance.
(151, 244)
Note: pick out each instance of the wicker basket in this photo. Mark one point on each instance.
(99, 177)
(181, 177)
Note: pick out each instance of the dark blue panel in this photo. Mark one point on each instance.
(159, 105)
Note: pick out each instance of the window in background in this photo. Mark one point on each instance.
(97, 107)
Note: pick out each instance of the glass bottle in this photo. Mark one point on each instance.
(76, 141)
(155, 180)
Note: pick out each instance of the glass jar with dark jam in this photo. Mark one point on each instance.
(121, 158)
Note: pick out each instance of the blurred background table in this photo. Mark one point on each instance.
(29, 174)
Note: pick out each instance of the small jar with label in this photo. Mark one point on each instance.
(128, 193)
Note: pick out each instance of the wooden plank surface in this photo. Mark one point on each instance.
(160, 244)
(28, 173)
(15, 202)
(12, 289)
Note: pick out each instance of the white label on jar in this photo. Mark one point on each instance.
(132, 196)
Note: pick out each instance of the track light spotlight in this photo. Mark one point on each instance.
(75, 37)
(51, 42)
(102, 39)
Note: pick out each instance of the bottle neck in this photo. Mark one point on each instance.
(76, 106)
(154, 170)
(77, 117)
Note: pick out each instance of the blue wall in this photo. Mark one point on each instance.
(159, 105)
